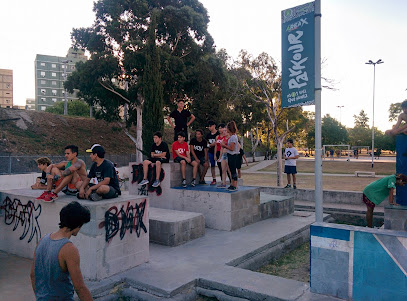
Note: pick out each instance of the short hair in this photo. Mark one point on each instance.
(232, 127)
(182, 134)
(180, 100)
(158, 134)
(290, 140)
(73, 148)
(221, 125)
(199, 130)
(43, 160)
(73, 215)
(404, 104)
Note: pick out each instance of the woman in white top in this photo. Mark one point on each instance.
(232, 150)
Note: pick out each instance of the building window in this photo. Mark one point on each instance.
(7, 101)
(43, 108)
(63, 92)
(43, 99)
(54, 82)
(43, 64)
(8, 86)
(43, 91)
(54, 100)
(54, 65)
(54, 92)
(63, 66)
(53, 74)
(72, 67)
(43, 82)
(43, 73)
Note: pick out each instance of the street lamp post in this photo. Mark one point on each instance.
(340, 113)
(370, 62)
(66, 100)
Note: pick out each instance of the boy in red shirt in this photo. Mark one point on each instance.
(180, 153)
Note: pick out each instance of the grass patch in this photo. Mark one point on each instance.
(342, 167)
(293, 265)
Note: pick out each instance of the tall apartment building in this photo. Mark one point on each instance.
(6, 88)
(50, 74)
(30, 104)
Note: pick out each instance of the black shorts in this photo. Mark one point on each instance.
(201, 160)
(179, 159)
(162, 160)
(110, 195)
(290, 169)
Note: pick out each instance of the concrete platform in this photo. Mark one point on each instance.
(395, 217)
(173, 228)
(275, 205)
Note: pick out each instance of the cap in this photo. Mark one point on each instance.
(96, 148)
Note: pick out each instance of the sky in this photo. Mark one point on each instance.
(353, 32)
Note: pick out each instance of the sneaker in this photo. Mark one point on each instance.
(144, 182)
(43, 195)
(202, 183)
(213, 182)
(295, 186)
(50, 197)
(288, 186)
(193, 183)
(223, 186)
(156, 183)
(232, 188)
(95, 197)
(184, 183)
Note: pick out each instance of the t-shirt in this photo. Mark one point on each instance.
(219, 140)
(233, 139)
(211, 139)
(105, 170)
(180, 118)
(181, 148)
(43, 178)
(199, 147)
(161, 148)
(378, 190)
(291, 152)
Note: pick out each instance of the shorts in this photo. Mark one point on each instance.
(239, 162)
(57, 182)
(368, 202)
(212, 159)
(179, 159)
(201, 160)
(290, 169)
(224, 157)
(110, 195)
(162, 160)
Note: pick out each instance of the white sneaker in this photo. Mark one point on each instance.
(144, 182)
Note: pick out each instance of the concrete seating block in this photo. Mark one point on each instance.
(173, 228)
(395, 217)
(115, 239)
(275, 205)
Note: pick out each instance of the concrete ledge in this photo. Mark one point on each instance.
(395, 217)
(275, 205)
(173, 228)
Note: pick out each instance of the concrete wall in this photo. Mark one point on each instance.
(357, 263)
(395, 218)
(106, 245)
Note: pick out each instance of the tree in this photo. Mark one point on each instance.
(361, 120)
(332, 131)
(394, 111)
(119, 54)
(75, 108)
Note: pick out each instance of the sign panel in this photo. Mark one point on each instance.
(298, 59)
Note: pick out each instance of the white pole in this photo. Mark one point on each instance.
(374, 80)
(318, 144)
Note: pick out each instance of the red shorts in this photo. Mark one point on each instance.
(368, 202)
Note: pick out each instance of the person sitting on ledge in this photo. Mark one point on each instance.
(199, 152)
(73, 172)
(41, 182)
(397, 129)
(377, 191)
(181, 155)
(159, 154)
(107, 186)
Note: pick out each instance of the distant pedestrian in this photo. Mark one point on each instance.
(180, 116)
(290, 156)
(55, 270)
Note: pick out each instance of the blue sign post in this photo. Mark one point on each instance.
(298, 56)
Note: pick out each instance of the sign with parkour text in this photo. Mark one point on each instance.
(298, 59)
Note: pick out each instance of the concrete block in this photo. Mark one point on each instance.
(395, 218)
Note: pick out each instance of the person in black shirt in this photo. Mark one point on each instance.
(211, 138)
(199, 153)
(159, 154)
(103, 170)
(181, 120)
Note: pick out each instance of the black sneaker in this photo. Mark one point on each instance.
(232, 188)
(184, 183)
(193, 183)
(295, 186)
(288, 186)
(202, 182)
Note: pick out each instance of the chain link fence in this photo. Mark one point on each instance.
(27, 164)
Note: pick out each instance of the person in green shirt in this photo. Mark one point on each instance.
(377, 191)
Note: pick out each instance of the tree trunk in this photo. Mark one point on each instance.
(255, 144)
(139, 144)
(279, 143)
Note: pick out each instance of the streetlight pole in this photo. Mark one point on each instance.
(340, 113)
(66, 100)
(370, 62)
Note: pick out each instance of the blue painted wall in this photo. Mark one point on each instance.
(401, 167)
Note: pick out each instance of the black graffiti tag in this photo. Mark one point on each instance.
(26, 216)
(151, 176)
(119, 221)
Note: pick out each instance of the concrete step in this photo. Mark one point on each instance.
(173, 227)
(275, 205)
(337, 208)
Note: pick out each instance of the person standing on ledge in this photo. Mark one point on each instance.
(377, 191)
(181, 116)
(55, 270)
(290, 156)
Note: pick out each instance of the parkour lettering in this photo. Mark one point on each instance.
(299, 77)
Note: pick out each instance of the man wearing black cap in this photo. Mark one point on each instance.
(107, 186)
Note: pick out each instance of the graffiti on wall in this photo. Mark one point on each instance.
(151, 176)
(23, 216)
(124, 219)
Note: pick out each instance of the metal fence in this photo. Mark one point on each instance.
(27, 164)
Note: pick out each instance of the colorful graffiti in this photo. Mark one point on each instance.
(151, 176)
(25, 216)
(124, 219)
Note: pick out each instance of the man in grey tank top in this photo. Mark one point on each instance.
(55, 265)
